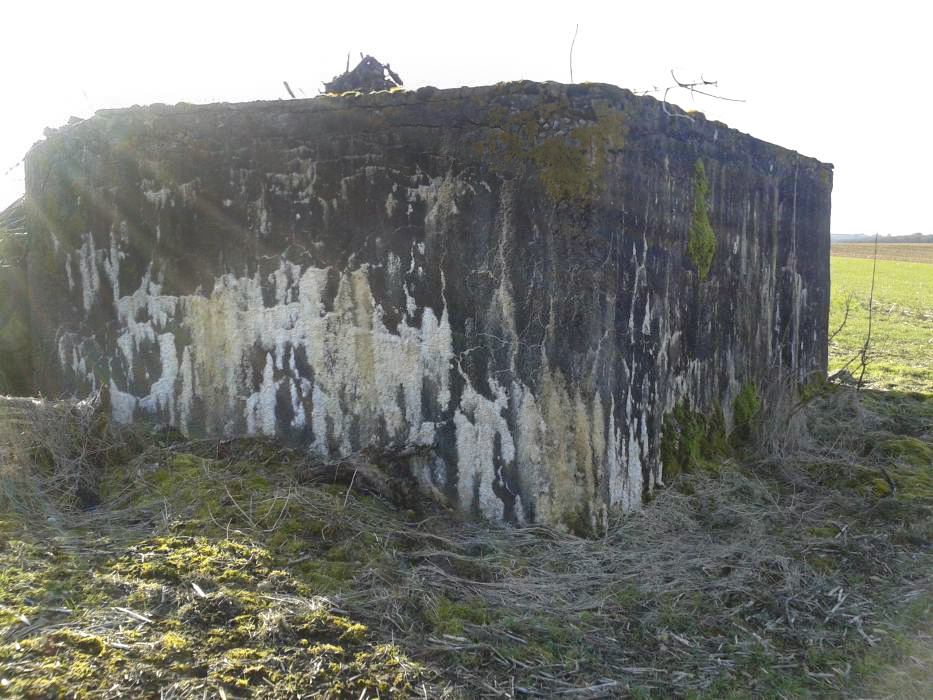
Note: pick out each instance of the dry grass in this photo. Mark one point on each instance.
(769, 578)
(51, 454)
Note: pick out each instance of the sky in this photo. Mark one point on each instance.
(843, 82)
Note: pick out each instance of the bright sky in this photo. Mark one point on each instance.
(844, 82)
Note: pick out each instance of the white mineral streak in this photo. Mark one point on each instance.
(479, 422)
(186, 396)
(358, 366)
(391, 203)
(162, 395)
(65, 341)
(616, 481)
(69, 273)
(87, 266)
(111, 266)
(261, 214)
(260, 406)
(123, 404)
(141, 316)
(369, 379)
(158, 198)
(330, 363)
(563, 452)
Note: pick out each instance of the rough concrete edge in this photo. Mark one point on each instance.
(402, 98)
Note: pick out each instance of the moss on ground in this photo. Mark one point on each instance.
(891, 434)
(212, 566)
(224, 594)
(173, 610)
(450, 616)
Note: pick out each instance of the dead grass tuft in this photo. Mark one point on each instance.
(52, 454)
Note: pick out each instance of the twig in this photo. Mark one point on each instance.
(849, 296)
(571, 50)
(692, 87)
(871, 299)
(349, 488)
(887, 477)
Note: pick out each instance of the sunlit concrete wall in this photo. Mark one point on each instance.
(508, 274)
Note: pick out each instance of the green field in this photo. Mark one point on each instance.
(900, 354)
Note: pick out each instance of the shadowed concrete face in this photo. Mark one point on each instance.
(527, 277)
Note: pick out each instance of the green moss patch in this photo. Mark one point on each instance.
(206, 573)
(701, 239)
(745, 410)
(692, 441)
(175, 609)
(449, 616)
(697, 441)
(568, 152)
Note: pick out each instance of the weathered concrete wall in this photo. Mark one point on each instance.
(16, 376)
(515, 274)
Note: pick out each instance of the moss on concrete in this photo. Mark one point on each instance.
(745, 410)
(701, 239)
(567, 154)
(691, 440)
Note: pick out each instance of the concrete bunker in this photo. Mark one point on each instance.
(524, 278)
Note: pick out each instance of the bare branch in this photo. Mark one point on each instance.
(571, 50)
(848, 302)
(871, 299)
(702, 81)
(670, 113)
(692, 87)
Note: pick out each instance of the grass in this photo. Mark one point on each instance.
(902, 665)
(215, 567)
(901, 350)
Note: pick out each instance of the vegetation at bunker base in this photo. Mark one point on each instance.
(215, 567)
(694, 440)
(900, 353)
